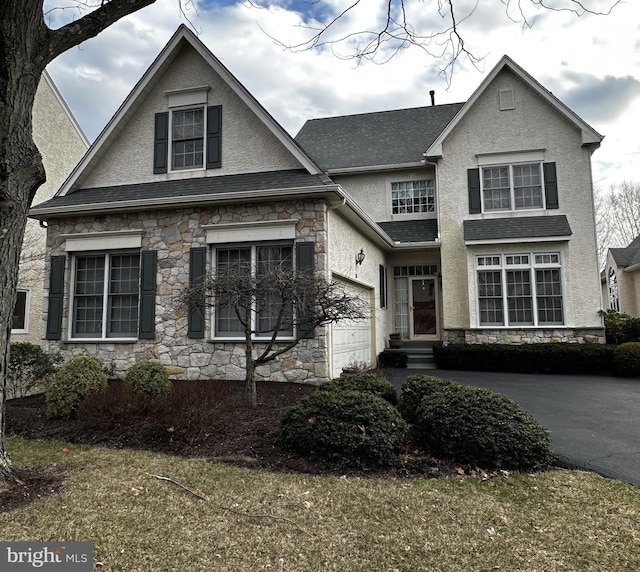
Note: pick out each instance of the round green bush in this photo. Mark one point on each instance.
(349, 427)
(74, 381)
(148, 380)
(365, 382)
(483, 428)
(626, 359)
(414, 389)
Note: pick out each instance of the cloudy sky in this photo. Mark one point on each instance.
(592, 63)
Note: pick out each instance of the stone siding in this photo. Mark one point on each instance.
(524, 336)
(172, 234)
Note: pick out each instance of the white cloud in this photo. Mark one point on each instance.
(591, 63)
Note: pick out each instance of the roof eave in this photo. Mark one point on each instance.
(375, 168)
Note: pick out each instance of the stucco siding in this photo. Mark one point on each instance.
(534, 125)
(247, 145)
(344, 242)
(61, 145)
(372, 191)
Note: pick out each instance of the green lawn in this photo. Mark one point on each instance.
(254, 520)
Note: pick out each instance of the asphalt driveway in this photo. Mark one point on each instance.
(594, 420)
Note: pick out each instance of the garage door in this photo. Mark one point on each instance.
(351, 340)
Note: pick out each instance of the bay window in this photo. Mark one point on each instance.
(519, 289)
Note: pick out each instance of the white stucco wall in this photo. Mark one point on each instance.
(532, 125)
(372, 191)
(61, 145)
(247, 145)
(344, 242)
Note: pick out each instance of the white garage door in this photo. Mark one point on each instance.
(351, 340)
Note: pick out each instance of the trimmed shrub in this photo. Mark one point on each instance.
(631, 330)
(626, 359)
(414, 389)
(483, 428)
(75, 380)
(393, 359)
(561, 358)
(366, 382)
(349, 427)
(29, 368)
(147, 380)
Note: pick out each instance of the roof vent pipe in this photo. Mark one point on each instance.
(432, 93)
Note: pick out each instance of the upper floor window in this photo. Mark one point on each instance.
(413, 197)
(614, 293)
(187, 139)
(512, 187)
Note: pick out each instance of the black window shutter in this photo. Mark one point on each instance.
(56, 298)
(473, 182)
(550, 185)
(383, 286)
(161, 143)
(214, 136)
(147, 328)
(305, 263)
(197, 272)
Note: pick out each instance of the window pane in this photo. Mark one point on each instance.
(230, 260)
(273, 310)
(496, 191)
(549, 296)
(188, 138)
(88, 297)
(124, 284)
(519, 297)
(490, 298)
(19, 318)
(527, 186)
(413, 197)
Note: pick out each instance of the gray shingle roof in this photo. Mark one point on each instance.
(166, 190)
(625, 257)
(411, 230)
(370, 139)
(520, 227)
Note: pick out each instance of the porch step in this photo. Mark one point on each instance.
(420, 354)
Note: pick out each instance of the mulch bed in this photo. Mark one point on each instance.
(202, 419)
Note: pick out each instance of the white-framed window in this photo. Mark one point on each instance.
(614, 292)
(413, 197)
(187, 138)
(512, 187)
(519, 289)
(20, 318)
(105, 295)
(265, 311)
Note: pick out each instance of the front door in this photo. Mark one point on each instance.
(423, 307)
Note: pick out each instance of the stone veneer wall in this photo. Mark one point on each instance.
(537, 336)
(172, 234)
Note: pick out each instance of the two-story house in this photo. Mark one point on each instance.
(476, 221)
(62, 144)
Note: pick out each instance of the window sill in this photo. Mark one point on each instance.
(255, 340)
(102, 340)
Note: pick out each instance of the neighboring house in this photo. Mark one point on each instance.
(621, 279)
(61, 144)
(476, 221)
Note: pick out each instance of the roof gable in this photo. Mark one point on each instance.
(182, 40)
(590, 137)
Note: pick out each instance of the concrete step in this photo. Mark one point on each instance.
(420, 354)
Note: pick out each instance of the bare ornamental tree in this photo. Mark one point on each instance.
(273, 307)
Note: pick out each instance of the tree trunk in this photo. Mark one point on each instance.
(250, 369)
